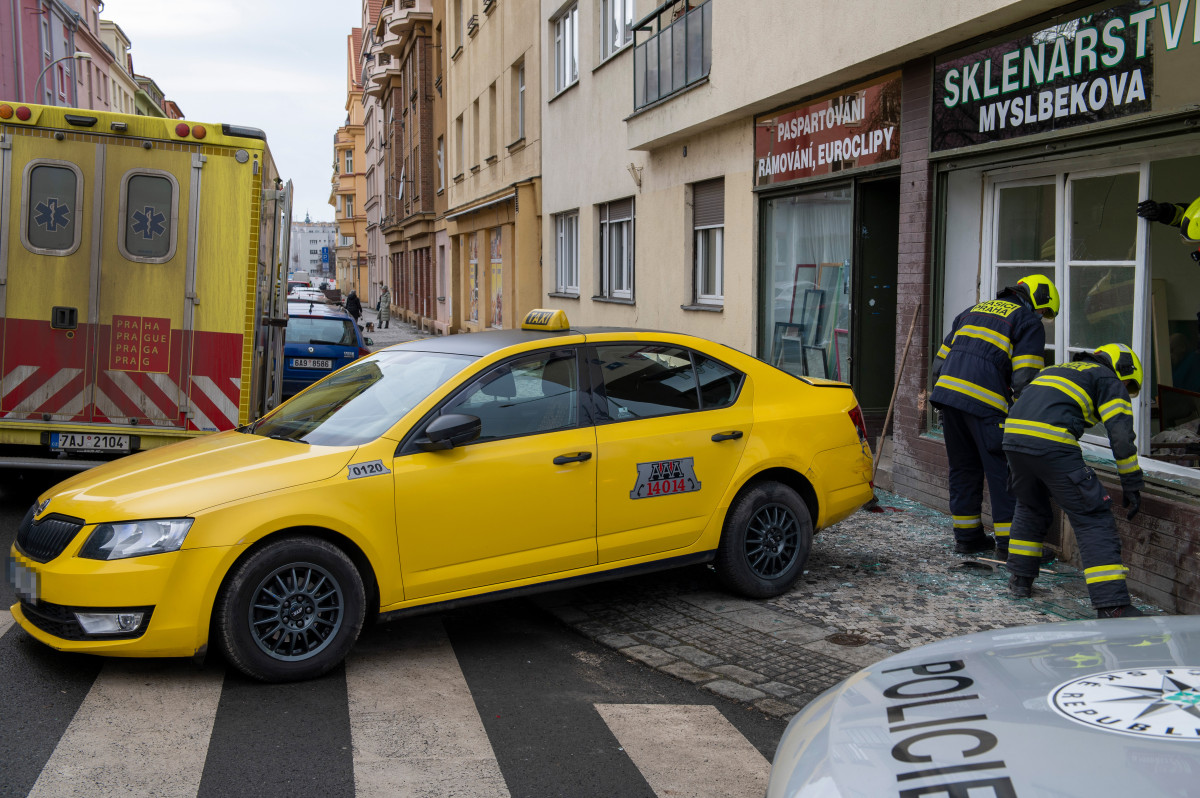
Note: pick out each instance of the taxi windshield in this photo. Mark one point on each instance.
(363, 400)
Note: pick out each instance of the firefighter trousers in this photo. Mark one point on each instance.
(1061, 474)
(975, 452)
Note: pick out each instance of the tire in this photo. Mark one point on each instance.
(290, 611)
(766, 541)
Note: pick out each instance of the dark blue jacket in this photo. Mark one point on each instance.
(993, 351)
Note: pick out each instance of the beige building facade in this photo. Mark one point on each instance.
(493, 148)
(349, 183)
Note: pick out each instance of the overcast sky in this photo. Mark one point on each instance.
(278, 65)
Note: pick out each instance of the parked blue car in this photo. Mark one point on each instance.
(320, 339)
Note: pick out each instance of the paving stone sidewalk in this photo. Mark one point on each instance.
(876, 584)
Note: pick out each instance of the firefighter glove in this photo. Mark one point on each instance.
(1153, 211)
(1132, 500)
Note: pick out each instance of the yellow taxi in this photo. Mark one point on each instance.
(438, 472)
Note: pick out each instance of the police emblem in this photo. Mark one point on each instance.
(665, 477)
(1144, 702)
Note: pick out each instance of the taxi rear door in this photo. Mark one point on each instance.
(673, 425)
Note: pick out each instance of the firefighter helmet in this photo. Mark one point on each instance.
(1191, 221)
(1124, 361)
(1042, 293)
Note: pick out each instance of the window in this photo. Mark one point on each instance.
(519, 95)
(458, 23)
(566, 48)
(349, 161)
(349, 207)
(616, 249)
(149, 216)
(493, 120)
(53, 196)
(646, 380)
(708, 239)
(534, 394)
(566, 252)
(616, 25)
(441, 163)
(459, 146)
(475, 134)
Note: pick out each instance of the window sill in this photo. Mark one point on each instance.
(458, 178)
(441, 191)
(475, 169)
(613, 300)
(564, 90)
(457, 52)
(560, 295)
(612, 56)
(516, 145)
(707, 308)
(491, 159)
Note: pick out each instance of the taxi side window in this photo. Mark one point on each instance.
(524, 397)
(646, 380)
(719, 384)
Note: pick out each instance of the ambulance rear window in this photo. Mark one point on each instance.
(150, 213)
(52, 195)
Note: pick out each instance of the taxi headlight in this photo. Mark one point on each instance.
(136, 538)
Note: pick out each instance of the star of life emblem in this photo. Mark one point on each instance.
(665, 477)
(1144, 702)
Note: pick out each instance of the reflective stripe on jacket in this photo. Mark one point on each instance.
(992, 350)
(1066, 400)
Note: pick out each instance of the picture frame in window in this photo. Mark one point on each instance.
(812, 314)
(804, 278)
(786, 345)
(814, 361)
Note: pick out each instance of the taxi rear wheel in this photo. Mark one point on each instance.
(766, 541)
(291, 610)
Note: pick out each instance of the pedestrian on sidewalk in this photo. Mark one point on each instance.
(1041, 439)
(993, 351)
(354, 306)
(385, 306)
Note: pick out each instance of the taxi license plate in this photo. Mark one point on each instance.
(88, 442)
(24, 580)
(311, 363)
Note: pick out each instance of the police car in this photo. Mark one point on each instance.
(437, 472)
(1081, 708)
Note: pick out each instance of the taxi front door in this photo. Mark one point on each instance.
(517, 504)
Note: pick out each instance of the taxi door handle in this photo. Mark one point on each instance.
(578, 457)
(727, 436)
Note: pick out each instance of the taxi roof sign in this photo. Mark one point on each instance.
(545, 319)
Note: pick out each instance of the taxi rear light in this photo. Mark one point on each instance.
(363, 351)
(183, 129)
(23, 113)
(856, 416)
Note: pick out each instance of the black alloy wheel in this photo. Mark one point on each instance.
(291, 610)
(766, 541)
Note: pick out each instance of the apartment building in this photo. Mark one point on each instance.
(349, 184)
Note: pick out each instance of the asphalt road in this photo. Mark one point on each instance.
(498, 700)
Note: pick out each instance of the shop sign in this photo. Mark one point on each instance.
(1116, 61)
(856, 127)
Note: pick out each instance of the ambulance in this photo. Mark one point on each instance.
(142, 282)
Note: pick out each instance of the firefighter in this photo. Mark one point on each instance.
(1186, 218)
(1041, 439)
(994, 349)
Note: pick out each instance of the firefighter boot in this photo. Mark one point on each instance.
(1123, 611)
(1020, 586)
(984, 543)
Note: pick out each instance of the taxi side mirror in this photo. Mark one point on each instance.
(448, 431)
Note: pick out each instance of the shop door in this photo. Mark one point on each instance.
(873, 361)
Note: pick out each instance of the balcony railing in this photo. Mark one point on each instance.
(677, 55)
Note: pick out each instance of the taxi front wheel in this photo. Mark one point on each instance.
(290, 611)
(766, 541)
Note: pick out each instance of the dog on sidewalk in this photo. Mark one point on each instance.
(370, 326)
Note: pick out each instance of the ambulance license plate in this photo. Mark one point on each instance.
(24, 580)
(88, 442)
(310, 363)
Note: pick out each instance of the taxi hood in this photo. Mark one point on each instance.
(192, 475)
(1107, 707)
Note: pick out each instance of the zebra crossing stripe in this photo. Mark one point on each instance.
(413, 722)
(688, 751)
(143, 729)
